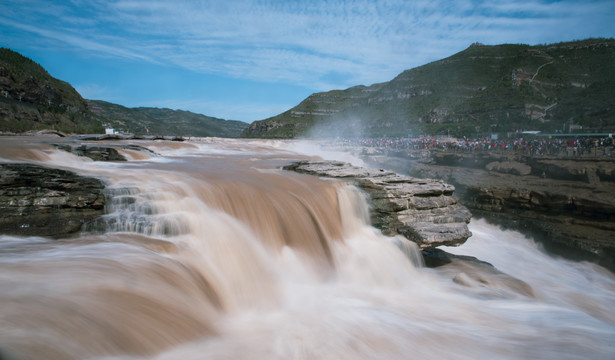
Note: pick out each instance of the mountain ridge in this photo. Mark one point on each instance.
(163, 121)
(31, 99)
(480, 90)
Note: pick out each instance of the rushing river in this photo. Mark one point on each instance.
(209, 251)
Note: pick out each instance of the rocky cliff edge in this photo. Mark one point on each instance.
(423, 210)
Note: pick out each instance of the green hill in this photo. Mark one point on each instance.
(481, 90)
(155, 121)
(31, 99)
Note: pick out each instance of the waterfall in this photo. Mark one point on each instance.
(209, 250)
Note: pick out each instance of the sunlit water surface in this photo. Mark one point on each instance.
(210, 251)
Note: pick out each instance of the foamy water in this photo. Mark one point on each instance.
(209, 251)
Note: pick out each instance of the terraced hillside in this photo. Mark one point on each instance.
(481, 90)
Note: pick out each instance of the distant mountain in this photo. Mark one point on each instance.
(155, 121)
(31, 99)
(481, 90)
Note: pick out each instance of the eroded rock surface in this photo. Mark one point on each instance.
(476, 276)
(40, 201)
(567, 203)
(101, 153)
(424, 211)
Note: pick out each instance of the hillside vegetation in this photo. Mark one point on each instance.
(31, 99)
(481, 90)
(155, 121)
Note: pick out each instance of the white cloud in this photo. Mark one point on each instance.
(78, 41)
(301, 42)
(93, 91)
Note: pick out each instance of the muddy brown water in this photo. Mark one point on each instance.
(209, 251)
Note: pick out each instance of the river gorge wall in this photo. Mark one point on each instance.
(566, 202)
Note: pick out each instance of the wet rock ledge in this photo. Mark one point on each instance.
(423, 210)
(40, 201)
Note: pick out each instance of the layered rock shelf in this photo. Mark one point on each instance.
(566, 203)
(102, 153)
(423, 210)
(40, 201)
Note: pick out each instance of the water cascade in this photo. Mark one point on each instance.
(208, 250)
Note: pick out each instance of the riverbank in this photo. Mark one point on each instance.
(566, 203)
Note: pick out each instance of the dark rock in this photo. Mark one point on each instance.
(509, 167)
(102, 153)
(561, 170)
(424, 211)
(40, 201)
(434, 258)
(476, 275)
(606, 174)
(98, 153)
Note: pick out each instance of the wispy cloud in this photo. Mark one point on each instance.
(93, 91)
(78, 41)
(303, 42)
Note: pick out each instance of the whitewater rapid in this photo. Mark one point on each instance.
(209, 251)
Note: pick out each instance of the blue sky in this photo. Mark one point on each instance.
(249, 60)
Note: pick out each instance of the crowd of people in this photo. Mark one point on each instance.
(560, 146)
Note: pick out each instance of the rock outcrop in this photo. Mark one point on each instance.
(96, 153)
(567, 203)
(102, 153)
(476, 276)
(40, 201)
(424, 211)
